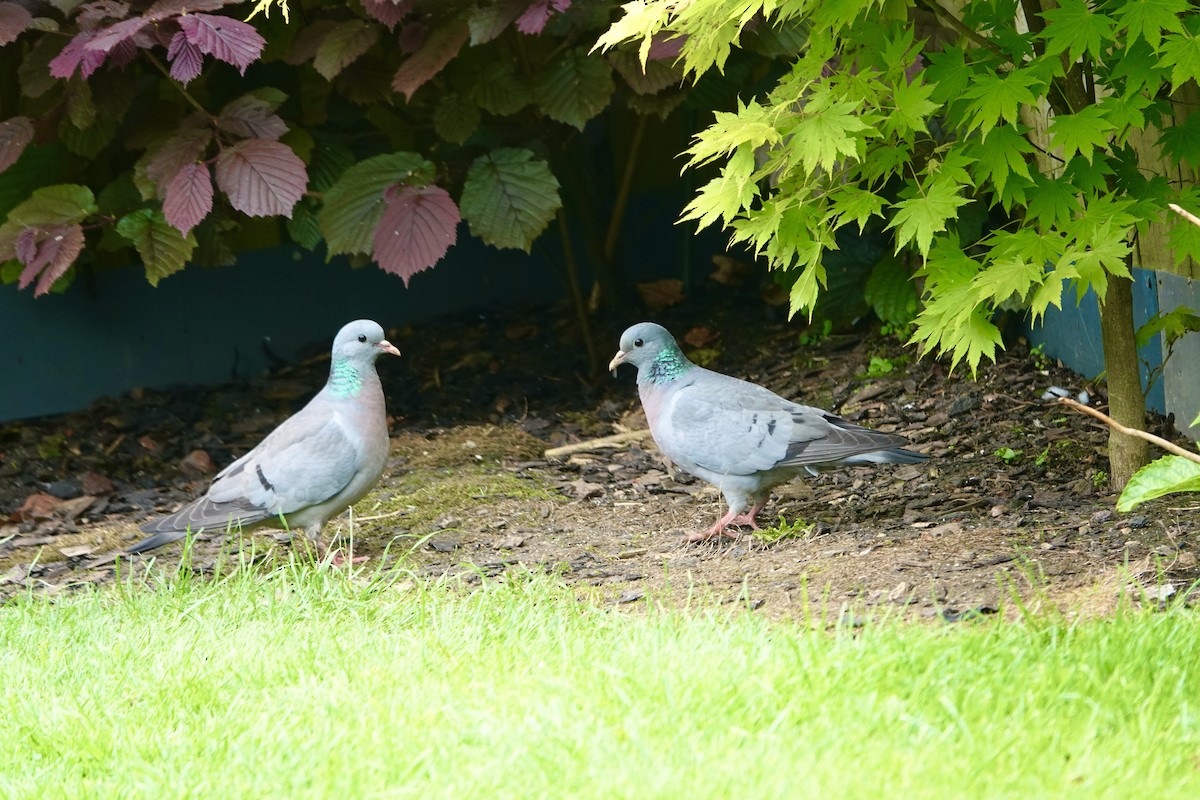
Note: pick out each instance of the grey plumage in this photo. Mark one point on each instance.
(739, 436)
(317, 463)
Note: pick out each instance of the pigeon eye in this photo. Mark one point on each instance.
(638, 343)
(362, 337)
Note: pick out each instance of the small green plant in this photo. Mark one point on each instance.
(1043, 457)
(880, 366)
(813, 336)
(1099, 479)
(1008, 455)
(784, 530)
(1037, 354)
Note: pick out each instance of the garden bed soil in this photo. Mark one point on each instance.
(1013, 505)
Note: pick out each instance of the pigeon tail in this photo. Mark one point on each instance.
(157, 540)
(897, 455)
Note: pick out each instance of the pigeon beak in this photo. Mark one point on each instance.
(618, 359)
(388, 347)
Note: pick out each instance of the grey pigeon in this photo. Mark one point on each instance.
(739, 436)
(315, 465)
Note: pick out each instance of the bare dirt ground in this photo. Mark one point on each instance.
(1013, 504)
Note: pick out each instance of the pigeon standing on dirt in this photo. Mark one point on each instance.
(742, 438)
(316, 464)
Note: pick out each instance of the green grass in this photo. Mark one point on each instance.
(301, 683)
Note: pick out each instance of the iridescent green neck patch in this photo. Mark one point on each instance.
(344, 380)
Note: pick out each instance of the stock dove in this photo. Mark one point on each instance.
(739, 436)
(317, 463)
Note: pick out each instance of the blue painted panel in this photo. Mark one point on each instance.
(108, 335)
(1072, 335)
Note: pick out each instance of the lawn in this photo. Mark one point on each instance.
(299, 682)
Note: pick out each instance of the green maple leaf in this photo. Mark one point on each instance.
(1051, 291)
(727, 196)
(822, 136)
(948, 73)
(918, 218)
(1124, 112)
(1149, 18)
(1095, 258)
(996, 98)
(1083, 132)
(1181, 53)
(1076, 27)
(1182, 142)
(1138, 68)
(852, 203)
(912, 105)
(751, 124)
(1185, 238)
(1002, 153)
(1088, 176)
(1005, 277)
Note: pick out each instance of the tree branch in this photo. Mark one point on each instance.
(1140, 434)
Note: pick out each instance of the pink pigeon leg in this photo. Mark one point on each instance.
(718, 529)
(750, 517)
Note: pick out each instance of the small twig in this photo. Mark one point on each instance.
(1149, 437)
(1189, 216)
(604, 442)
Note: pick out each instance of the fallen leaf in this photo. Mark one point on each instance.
(36, 506)
(730, 271)
(197, 463)
(70, 509)
(76, 551)
(582, 489)
(148, 443)
(96, 484)
(658, 295)
(700, 336)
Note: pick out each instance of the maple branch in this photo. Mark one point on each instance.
(1140, 434)
(953, 23)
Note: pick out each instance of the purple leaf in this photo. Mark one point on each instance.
(105, 39)
(52, 252)
(164, 161)
(92, 14)
(186, 59)
(343, 46)
(164, 9)
(417, 228)
(261, 177)
(75, 56)
(666, 45)
(535, 17)
(224, 38)
(15, 134)
(251, 117)
(124, 53)
(412, 36)
(26, 247)
(439, 48)
(189, 197)
(14, 19)
(304, 46)
(389, 12)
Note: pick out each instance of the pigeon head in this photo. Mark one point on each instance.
(360, 342)
(355, 349)
(652, 349)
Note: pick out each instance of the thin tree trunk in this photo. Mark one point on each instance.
(1126, 400)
